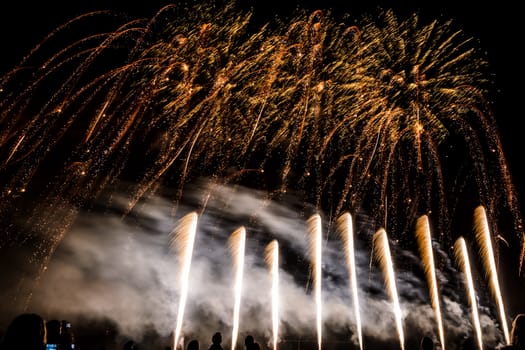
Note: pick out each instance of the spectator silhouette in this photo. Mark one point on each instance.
(193, 345)
(25, 332)
(248, 342)
(216, 341)
(67, 340)
(470, 343)
(517, 334)
(426, 343)
(53, 330)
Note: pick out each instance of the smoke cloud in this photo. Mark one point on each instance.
(122, 268)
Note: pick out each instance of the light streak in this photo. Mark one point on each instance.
(461, 251)
(316, 241)
(238, 245)
(272, 259)
(183, 240)
(483, 237)
(346, 231)
(424, 241)
(382, 254)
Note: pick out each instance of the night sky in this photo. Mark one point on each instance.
(497, 26)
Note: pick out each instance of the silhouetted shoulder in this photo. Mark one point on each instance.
(193, 345)
(26, 331)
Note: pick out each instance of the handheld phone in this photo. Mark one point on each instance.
(51, 346)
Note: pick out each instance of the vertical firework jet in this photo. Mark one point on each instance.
(383, 256)
(424, 240)
(272, 259)
(462, 256)
(487, 256)
(346, 231)
(237, 245)
(316, 242)
(184, 240)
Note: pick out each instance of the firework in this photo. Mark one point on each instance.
(386, 118)
(272, 259)
(238, 246)
(347, 236)
(316, 241)
(487, 256)
(183, 241)
(462, 257)
(427, 258)
(383, 256)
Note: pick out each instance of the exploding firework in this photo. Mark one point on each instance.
(386, 119)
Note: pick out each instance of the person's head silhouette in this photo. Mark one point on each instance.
(426, 343)
(217, 338)
(193, 345)
(26, 331)
(248, 341)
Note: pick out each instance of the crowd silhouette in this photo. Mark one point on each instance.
(29, 331)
